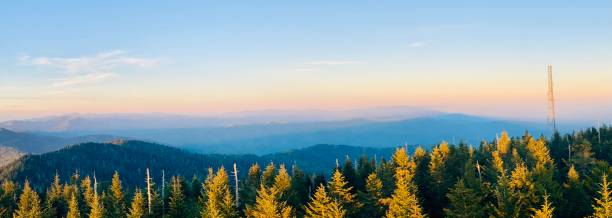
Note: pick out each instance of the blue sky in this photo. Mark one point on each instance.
(200, 57)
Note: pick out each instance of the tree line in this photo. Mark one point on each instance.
(564, 176)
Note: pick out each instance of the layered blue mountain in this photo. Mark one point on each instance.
(264, 132)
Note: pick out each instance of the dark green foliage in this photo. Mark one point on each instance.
(130, 159)
(176, 206)
(371, 198)
(8, 199)
(350, 173)
(507, 178)
(463, 202)
(298, 193)
(386, 173)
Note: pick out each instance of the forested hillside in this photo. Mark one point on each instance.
(564, 176)
(131, 158)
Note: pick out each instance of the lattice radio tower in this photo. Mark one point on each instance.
(551, 100)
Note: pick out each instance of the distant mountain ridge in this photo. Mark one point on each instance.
(265, 138)
(26, 142)
(422, 131)
(105, 122)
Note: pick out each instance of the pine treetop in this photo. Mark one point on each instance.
(603, 204)
(503, 144)
(29, 203)
(267, 205)
(321, 205)
(73, 208)
(137, 209)
(546, 211)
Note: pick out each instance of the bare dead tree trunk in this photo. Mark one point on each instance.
(163, 200)
(236, 183)
(95, 184)
(149, 197)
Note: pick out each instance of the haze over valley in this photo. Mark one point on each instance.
(263, 132)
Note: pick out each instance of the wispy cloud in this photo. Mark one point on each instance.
(82, 79)
(306, 69)
(333, 62)
(416, 44)
(89, 69)
(448, 27)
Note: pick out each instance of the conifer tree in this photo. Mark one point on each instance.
(576, 200)
(29, 203)
(404, 201)
(88, 192)
(97, 209)
(250, 185)
(218, 196)
(322, 206)
(503, 144)
(464, 202)
(300, 190)
(386, 172)
(422, 177)
(73, 208)
(282, 182)
(498, 164)
(8, 198)
(582, 155)
(539, 158)
(371, 198)
(349, 173)
(502, 206)
(56, 204)
(267, 205)
(365, 167)
(603, 204)
(546, 211)
(176, 206)
(539, 155)
(340, 191)
(114, 202)
(516, 158)
(268, 175)
(523, 190)
(419, 152)
(69, 190)
(437, 169)
(437, 162)
(137, 209)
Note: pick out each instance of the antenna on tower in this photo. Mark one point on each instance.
(551, 100)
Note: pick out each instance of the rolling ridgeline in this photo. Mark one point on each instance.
(565, 176)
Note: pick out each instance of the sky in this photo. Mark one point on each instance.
(206, 57)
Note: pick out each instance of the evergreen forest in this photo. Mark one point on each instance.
(566, 175)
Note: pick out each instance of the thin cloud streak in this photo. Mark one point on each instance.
(333, 62)
(416, 44)
(87, 64)
(89, 69)
(448, 27)
(83, 79)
